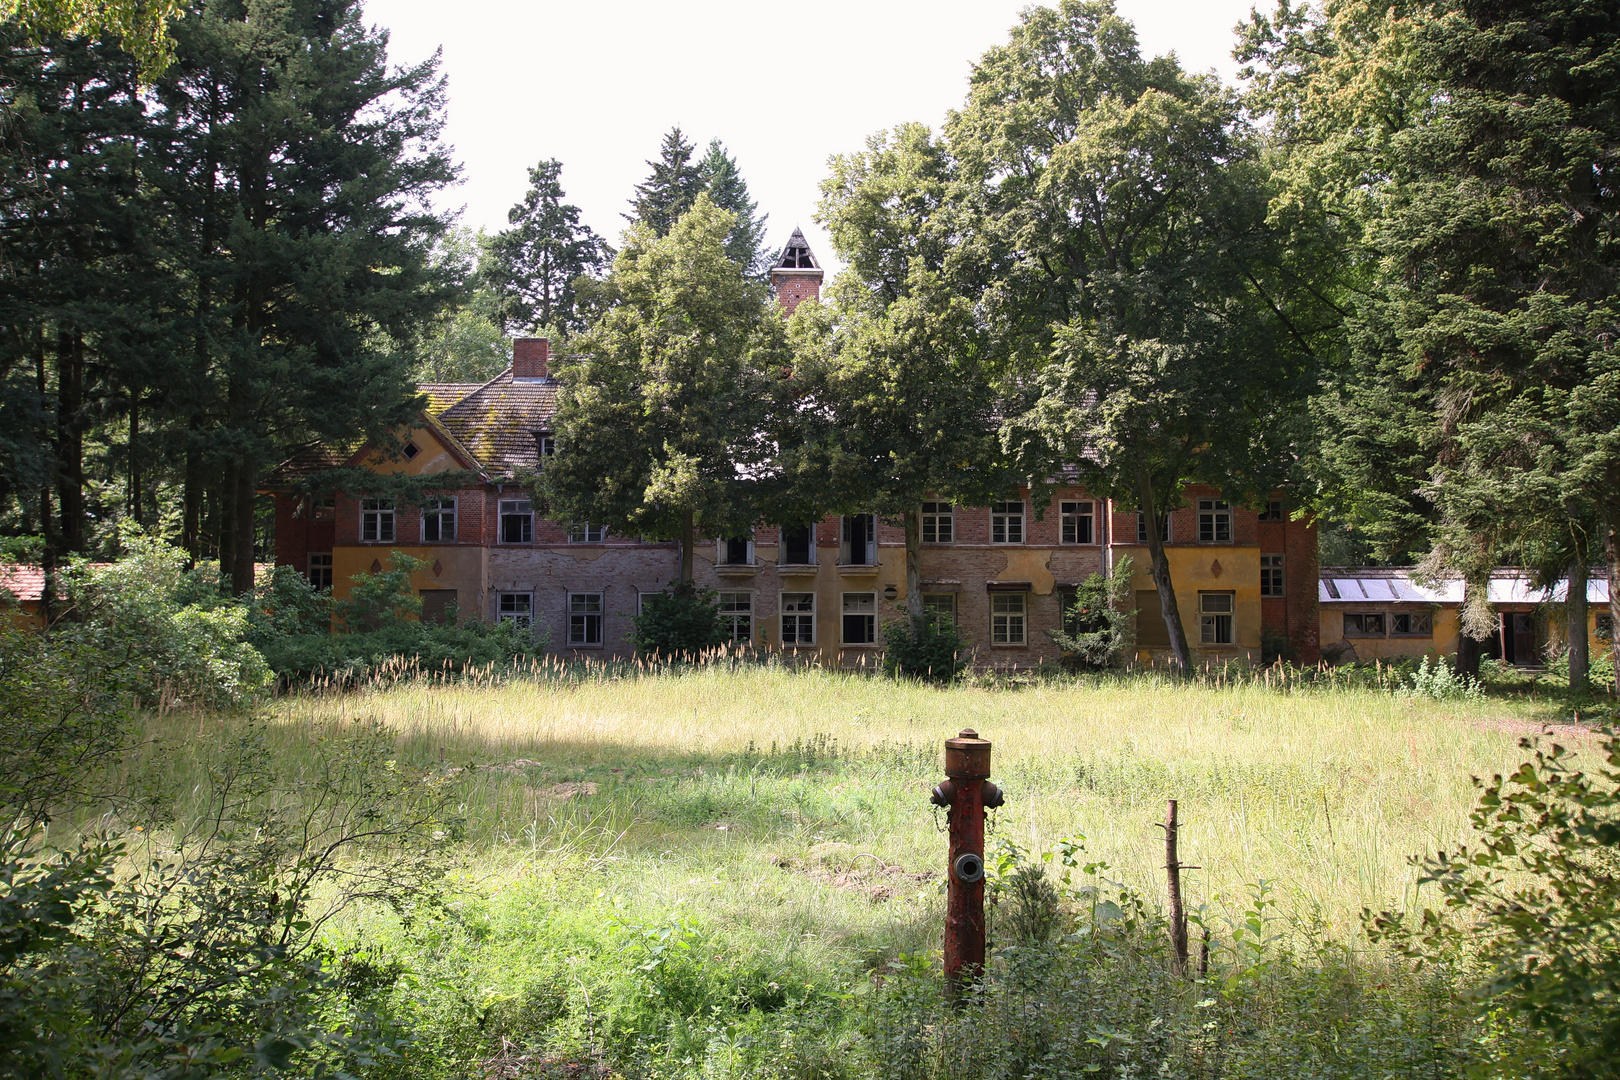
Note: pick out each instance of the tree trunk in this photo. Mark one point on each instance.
(1179, 651)
(70, 437)
(1576, 609)
(242, 561)
(223, 520)
(135, 454)
(1468, 650)
(914, 604)
(1612, 550)
(688, 539)
(192, 501)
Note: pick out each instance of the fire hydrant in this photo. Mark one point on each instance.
(966, 794)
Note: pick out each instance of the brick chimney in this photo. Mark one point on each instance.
(530, 357)
(796, 275)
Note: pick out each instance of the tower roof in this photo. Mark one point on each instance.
(797, 255)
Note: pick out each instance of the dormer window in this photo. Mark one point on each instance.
(545, 444)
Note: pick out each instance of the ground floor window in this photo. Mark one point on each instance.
(1007, 619)
(1411, 624)
(941, 604)
(1364, 624)
(1605, 627)
(737, 616)
(1215, 617)
(516, 608)
(585, 618)
(320, 571)
(860, 618)
(798, 618)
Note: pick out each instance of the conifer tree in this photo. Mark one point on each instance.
(533, 266)
(671, 189)
(729, 191)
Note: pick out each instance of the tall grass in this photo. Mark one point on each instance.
(1323, 791)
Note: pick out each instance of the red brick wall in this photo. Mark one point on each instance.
(297, 534)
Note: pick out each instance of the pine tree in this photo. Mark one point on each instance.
(533, 266)
(671, 189)
(729, 191)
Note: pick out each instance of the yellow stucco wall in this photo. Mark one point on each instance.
(1208, 569)
(435, 457)
(462, 568)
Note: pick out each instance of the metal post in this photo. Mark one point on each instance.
(966, 793)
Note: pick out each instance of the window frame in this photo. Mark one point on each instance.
(930, 602)
(722, 551)
(437, 513)
(310, 567)
(584, 619)
(1141, 529)
(846, 540)
(1212, 621)
(809, 547)
(870, 617)
(1273, 511)
(1361, 618)
(545, 444)
(801, 617)
(1008, 521)
(1273, 576)
(1070, 517)
(1005, 622)
(586, 533)
(523, 618)
(385, 511)
(736, 618)
(1212, 514)
(526, 517)
(1427, 618)
(940, 518)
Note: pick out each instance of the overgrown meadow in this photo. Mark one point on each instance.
(736, 872)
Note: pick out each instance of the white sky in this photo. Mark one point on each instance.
(784, 86)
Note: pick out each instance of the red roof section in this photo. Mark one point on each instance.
(23, 582)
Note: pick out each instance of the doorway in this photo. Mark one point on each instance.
(1518, 638)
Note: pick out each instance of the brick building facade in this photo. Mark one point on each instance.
(1246, 580)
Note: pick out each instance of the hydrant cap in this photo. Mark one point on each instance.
(967, 756)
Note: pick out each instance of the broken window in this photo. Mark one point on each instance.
(1364, 624)
(1076, 522)
(798, 546)
(736, 551)
(737, 616)
(798, 618)
(517, 521)
(858, 546)
(1215, 617)
(860, 618)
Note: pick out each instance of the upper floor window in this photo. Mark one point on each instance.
(1273, 511)
(545, 444)
(1214, 521)
(376, 521)
(1215, 617)
(1007, 523)
(1076, 522)
(439, 519)
(736, 551)
(1141, 528)
(517, 521)
(1271, 575)
(323, 508)
(798, 546)
(587, 533)
(938, 523)
(858, 546)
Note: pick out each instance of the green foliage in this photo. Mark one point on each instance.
(173, 633)
(1097, 628)
(1436, 679)
(681, 623)
(380, 601)
(1600, 672)
(1536, 903)
(929, 647)
(533, 267)
(465, 343)
(661, 422)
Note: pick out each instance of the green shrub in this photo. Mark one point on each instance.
(681, 623)
(1097, 623)
(930, 647)
(1599, 674)
(1438, 680)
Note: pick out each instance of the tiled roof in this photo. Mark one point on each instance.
(309, 459)
(497, 421)
(442, 395)
(23, 582)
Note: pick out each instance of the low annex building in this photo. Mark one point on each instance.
(1246, 579)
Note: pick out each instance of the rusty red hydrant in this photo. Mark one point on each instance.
(966, 794)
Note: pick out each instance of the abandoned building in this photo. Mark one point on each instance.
(1246, 579)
